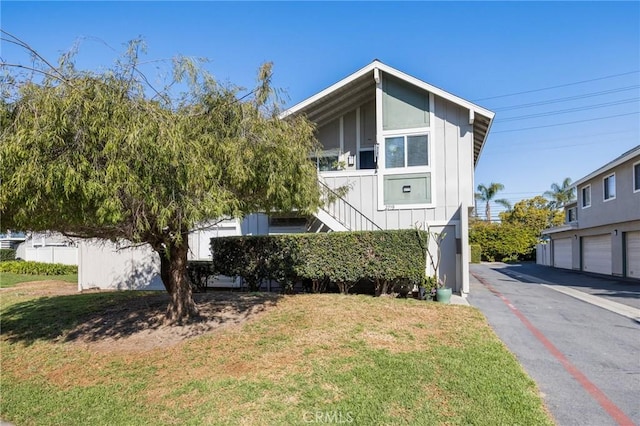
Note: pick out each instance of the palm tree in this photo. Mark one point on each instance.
(561, 195)
(487, 195)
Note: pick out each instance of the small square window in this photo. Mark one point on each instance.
(586, 196)
(367, 159)
(609, 187)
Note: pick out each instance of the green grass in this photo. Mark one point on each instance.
(8, 279)
(326, 358)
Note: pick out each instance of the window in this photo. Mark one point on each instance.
(586, 196)
(636, 177)
(571, 215)
(404, 106)
(367, 159)
(609, 184)
(406, 151)
(328, 160)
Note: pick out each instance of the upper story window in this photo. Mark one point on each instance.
(636, 177)
(609, 184)
(586, 196)
(404, 106)
(571, 215)
(406, 151)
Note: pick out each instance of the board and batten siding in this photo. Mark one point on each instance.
(451, 180)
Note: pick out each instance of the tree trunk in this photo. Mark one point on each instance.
(173, 271)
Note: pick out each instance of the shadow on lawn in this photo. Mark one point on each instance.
(96, 316)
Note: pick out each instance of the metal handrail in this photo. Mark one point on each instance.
(345, 213)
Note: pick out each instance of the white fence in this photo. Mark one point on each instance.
(52, 254)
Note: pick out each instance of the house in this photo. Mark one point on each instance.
(406, 150)
(601, 233)
(48, 247)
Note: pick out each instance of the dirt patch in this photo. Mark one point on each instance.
(138, 324)
(43, 288)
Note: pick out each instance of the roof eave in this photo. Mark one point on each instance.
(614, 163)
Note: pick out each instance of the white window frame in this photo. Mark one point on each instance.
(575, 214)
(382, 171)
(582, 204)
(635, 177)
(604, 189)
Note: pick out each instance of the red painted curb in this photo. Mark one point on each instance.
(608, 405)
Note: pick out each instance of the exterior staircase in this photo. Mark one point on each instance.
(337, 214)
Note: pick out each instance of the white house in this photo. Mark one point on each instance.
(406, 149)
(601, 233)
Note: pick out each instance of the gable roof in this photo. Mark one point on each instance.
(635, 151)
(358, 88)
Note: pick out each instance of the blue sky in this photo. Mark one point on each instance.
(479, 51)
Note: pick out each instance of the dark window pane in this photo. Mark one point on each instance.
(367, 160)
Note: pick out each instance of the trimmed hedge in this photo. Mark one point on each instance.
(342, 258)
(7, 255)
(37, 268)
(476, 253)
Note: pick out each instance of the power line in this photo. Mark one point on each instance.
(565, 99)
(563, 124)
(558, 86)
(565, 111)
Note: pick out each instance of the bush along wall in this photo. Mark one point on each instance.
(7, 255)
(37, 268)
(341, 258)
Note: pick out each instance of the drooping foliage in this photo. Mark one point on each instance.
(107, 155)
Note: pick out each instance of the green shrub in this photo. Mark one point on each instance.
(7, 255)
(37, 268)
(503, 241)
(342, 258)
(476, 253)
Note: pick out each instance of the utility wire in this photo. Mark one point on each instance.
(566, 99)
(558, 86)
(565, 111)
(564, 124)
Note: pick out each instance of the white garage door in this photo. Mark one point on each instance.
(633, 254)
(596, 254)
(562, 253)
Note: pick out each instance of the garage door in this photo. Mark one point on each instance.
(633, 254)
(596, 254)
(562, 253)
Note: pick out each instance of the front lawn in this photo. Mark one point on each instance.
(8, 279)
(283, 360)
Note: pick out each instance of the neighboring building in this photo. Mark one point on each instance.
(601, 233)
(406, 149)
(11, 239)
(48, 247)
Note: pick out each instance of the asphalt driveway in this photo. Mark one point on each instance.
(576, 335)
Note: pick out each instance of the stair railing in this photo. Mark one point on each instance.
(344, 212)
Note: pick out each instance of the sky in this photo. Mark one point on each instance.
(562, 77)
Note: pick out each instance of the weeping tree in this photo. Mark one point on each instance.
(109, 155)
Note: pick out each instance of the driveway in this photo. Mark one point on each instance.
(576, 335)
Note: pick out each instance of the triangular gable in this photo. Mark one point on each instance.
(360, 87)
